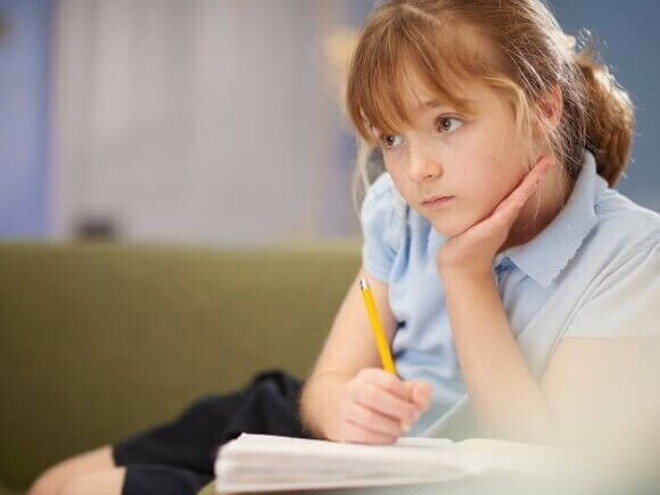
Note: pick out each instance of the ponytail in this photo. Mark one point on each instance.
(609, 117)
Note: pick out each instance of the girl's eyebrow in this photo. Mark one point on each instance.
(433, 104)
(469, 104)
(438, 104)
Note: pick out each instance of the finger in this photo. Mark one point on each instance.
(386, 381)
(353, 433)
(529, 184)
(374, 396)
(372, 420)
(421, 394)
(402, 410)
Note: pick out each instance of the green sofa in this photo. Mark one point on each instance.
(100, 340)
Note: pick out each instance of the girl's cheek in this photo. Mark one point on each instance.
(394, 163)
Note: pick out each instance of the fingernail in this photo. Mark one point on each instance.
(405, 426)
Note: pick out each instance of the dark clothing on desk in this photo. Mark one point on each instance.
(177, 458)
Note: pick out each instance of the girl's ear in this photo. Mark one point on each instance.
(548, 111)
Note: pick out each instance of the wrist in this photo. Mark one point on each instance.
(319, 404)
(465, 276)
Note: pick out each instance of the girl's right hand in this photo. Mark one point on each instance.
(378, 408)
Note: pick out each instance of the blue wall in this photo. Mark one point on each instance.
(24, 116)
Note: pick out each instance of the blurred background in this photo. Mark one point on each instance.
(217, 121)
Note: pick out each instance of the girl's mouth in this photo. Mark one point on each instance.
(436, 202)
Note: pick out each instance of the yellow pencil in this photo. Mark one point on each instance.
(377, 327)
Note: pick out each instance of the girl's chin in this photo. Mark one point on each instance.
(449, 230)
(449, 226)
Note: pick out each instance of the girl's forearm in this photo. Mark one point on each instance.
(507, 399)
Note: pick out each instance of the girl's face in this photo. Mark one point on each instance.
(454, 168)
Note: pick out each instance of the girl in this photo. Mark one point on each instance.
(517, 288)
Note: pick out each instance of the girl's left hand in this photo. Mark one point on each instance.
(473, 251)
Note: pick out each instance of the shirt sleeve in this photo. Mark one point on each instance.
(627, 302)
(381, 231)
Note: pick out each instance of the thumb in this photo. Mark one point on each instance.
(422, 394)
(419, 393)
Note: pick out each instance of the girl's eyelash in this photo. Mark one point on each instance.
(383, 140)
(442, 118)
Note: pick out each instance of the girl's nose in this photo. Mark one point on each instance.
(422, 164)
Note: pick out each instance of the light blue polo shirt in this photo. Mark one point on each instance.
(593, 272)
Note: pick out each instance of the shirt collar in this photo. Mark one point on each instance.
(546, 255)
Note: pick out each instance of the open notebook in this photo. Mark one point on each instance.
(254, 463)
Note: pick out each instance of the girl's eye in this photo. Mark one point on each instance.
(448, 124)
(391, 140)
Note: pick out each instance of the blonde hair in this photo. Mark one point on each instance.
(526, 56)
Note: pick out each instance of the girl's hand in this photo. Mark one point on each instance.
(473, 251)
(378, 407)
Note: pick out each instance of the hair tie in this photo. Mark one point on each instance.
(590, 146)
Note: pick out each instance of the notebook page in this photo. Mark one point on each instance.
(270, 463)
